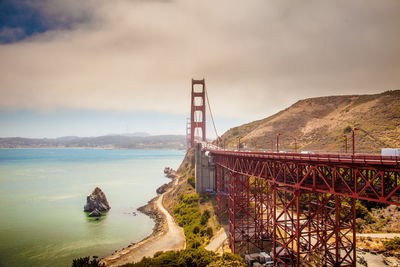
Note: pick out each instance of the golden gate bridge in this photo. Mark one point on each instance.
(304, 204)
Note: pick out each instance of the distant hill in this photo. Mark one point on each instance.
(108, 141)
(319, 124)
(137, 134)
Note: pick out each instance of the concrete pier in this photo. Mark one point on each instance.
(205, 174)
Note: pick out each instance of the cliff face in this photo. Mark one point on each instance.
(319, 124)
(97, 201)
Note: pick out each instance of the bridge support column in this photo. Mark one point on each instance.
(244, 235)
(222, 192)
(205, 171)
(263, 211)
(313, 227)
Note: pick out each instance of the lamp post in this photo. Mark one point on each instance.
(239, 144)
(277, 142)
(272, 146)
(345, 142)
(295, 144)
(355, 129)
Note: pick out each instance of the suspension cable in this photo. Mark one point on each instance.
(212, 117)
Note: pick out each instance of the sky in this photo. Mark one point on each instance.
(94, 67)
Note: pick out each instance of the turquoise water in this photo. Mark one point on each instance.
(42, 193)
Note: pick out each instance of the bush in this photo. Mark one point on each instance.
(204, 217)
(348, 129)
(191, 181)
(196, 229)
(363, 213)
(194, 222)
(188, 257)
(392, 244)
(86, 262)
(209, 231)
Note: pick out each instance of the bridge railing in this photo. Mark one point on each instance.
(310, 157)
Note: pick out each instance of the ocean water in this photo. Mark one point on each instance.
(43, 191)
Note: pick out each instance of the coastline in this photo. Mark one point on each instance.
(154, 242)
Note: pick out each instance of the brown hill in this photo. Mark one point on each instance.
(319, 124)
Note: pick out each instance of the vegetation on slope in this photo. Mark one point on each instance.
(190, 257)
(319, 124)
(194, 222)
(195, 213)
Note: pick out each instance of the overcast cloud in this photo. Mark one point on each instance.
(257, 56)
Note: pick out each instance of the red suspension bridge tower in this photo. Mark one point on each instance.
(198, 112)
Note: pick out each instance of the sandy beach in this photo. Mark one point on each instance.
(167, 235)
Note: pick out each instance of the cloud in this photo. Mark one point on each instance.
(11, 34)
(257, 57)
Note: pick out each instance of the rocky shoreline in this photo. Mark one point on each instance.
(150, 209)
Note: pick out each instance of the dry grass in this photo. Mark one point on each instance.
(371, 243)
(387, 220)
(318, 124)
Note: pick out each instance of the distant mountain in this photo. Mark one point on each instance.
(135, 134)
(67, 138)
(139, 134)
(108, 141)
(319, 124)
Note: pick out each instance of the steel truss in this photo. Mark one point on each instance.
(307, 209)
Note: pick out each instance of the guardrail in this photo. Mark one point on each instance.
(366, 159)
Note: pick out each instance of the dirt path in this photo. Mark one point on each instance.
(380, 235)
(218, 240)
(172, 238)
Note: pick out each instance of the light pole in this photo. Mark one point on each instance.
(272, 146)
(239, 144)
(355, 129)
(295, 144)
(277, 142)
(345, 142)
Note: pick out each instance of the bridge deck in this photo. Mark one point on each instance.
(364, 159)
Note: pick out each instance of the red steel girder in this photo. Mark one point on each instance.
(365, 177)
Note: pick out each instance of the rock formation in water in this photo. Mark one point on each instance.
(97, 201)
(95, 213)
(169, 172)
(162, 189)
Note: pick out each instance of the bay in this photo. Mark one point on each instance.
(42, 193)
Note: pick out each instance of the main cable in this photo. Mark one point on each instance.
(212, 117)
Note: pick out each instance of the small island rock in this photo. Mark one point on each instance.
(169, 172)
(95, 213)
(97, 201)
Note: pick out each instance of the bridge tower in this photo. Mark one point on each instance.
(198, 111)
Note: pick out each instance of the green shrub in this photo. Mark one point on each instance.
(194, 222)
(86, 262)
(348, 129)
(392, 244)
(204, 217)
(209, 231)
(196, 229)
(363, 213)
(188, 257)
(191, 181)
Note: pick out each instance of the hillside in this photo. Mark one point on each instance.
(108, 141)
(319, 124)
